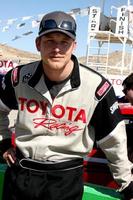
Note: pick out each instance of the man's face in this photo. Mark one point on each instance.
(55, 49)
(129, 95)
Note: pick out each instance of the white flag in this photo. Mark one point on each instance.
(20, 25)
(84, 12)
(35, 23)
(26, 18)
(11, 21)
(76, 10)
(5, 28)
(27, 33)
(16, 37)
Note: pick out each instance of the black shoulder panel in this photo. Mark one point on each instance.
(7, 93)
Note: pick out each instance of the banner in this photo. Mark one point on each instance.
(116, 81)
(94, 19)
(6, 65)
(122, 21)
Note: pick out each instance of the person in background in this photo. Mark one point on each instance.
(1, 146)
(128, 88)
(128, 92)
(63, 108)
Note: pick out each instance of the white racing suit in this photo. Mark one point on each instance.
(85, 110)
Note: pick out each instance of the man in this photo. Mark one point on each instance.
(128, 91)
(1, 155)
(128, 88)
(63, 108)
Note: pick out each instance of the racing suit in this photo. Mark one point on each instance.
(65, 127)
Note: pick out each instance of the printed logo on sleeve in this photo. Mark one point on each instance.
(114, 107)
(103, 89)
(26, 77)
(15, 77)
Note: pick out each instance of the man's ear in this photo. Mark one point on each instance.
(75, 45)
(37, 41)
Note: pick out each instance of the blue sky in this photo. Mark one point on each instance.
(16, 9)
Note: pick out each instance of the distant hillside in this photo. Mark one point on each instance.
(114, 62)
(17, 55)
(113, 58)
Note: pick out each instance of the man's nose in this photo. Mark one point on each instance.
(57, 46)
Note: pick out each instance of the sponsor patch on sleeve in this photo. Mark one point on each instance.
(114, 107)
(102, 89)
(15, 76)
(26, 77)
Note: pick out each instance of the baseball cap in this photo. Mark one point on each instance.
(58, 21)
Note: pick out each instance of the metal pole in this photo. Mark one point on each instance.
(102, 6)
(128, 2)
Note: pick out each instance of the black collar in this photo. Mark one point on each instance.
(74, 80)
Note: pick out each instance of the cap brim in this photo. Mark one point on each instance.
(58, 30)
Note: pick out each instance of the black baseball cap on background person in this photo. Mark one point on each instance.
(58, 21)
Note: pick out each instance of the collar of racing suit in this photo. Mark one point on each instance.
(74, 80)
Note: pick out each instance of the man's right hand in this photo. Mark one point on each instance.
(10, 156)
